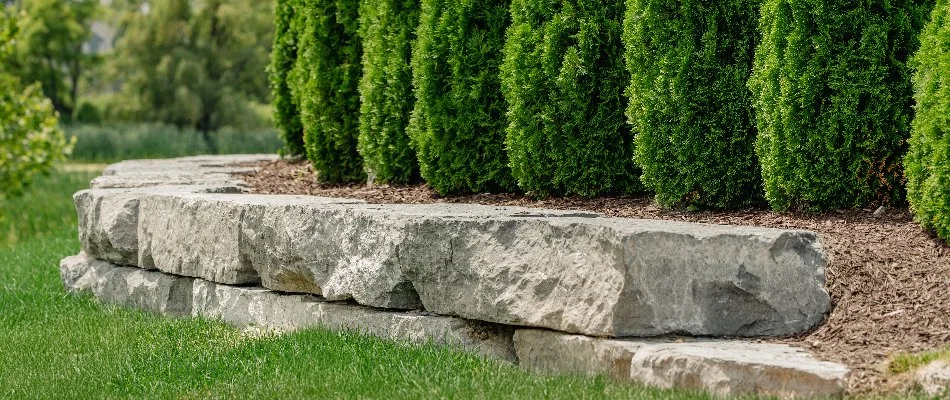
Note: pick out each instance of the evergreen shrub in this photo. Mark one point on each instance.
(287, 20)
(833, 100)
(928, 162)
(563, 80)
(458, 122)
(387, 28)
(690, 107)
(325, 84)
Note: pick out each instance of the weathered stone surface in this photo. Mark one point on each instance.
(200, 235)
(180, 296)
(738, 368)
(572, 272)
(166, 179)
(724, 368)
(558, 353)
(934, 378)
(229, 164)
(108, 219)
(261, 307)
(129, 287)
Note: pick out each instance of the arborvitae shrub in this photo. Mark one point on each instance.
(563, 80)
(690, 107)
(928, 163)
(288, 17)
(833, 100)
(458, 123)
(325, 84)
(388, 28)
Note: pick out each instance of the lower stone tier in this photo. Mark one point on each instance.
(720, 367)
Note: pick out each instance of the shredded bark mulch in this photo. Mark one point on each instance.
(889, 279)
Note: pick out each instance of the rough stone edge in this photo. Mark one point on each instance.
(247, 307)
(725, 368)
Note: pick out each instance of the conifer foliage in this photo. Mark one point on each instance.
(564, 78)
(928, 163)
(287, 20)
(387, 28)
(833, 100)
(325, 85)
(689, 105)
(458, 122)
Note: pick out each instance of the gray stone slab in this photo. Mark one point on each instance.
(128, 287)
(256, 307)
(934, 378)
(108, 219)
(727, 368)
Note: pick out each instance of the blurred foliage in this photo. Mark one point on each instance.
(113, 142)
(194, 64)
(48, 50)
(30, 139)
(928, 162)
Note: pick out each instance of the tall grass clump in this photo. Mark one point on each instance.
(689, 104)
(563, 79)
(833, 100)
(458, 122)
(928, 162)
(288, 18)
(387, 28)
(325, 84)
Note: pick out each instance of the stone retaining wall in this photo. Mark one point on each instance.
(180, 237)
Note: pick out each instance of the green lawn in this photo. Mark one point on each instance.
(56, 346)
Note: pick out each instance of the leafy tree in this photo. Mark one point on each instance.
(388, 28)
(30, 139)
(325, 85)
(689, 104)
(563, 79)
(458, 123)
(833, 100)
(195, 64)
(928, 162)
(49, 47)
(288, 20)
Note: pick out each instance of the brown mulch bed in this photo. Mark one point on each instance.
(889, 279)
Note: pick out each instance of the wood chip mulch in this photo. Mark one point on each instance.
(889, 279)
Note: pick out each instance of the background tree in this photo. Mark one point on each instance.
(49, 48)
(196, 64)
(30, 139)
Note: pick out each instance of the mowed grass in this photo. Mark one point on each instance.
(58, 346)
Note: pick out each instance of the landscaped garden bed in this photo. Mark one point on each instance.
(887, 276)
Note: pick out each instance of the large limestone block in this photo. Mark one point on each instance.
(934, 378)
(721, 367)
(619, 277)
(220, 164)
(127, 287)
(558, 353)
(739, 368)
(264, 308)
(108, 219)
(200, 235)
